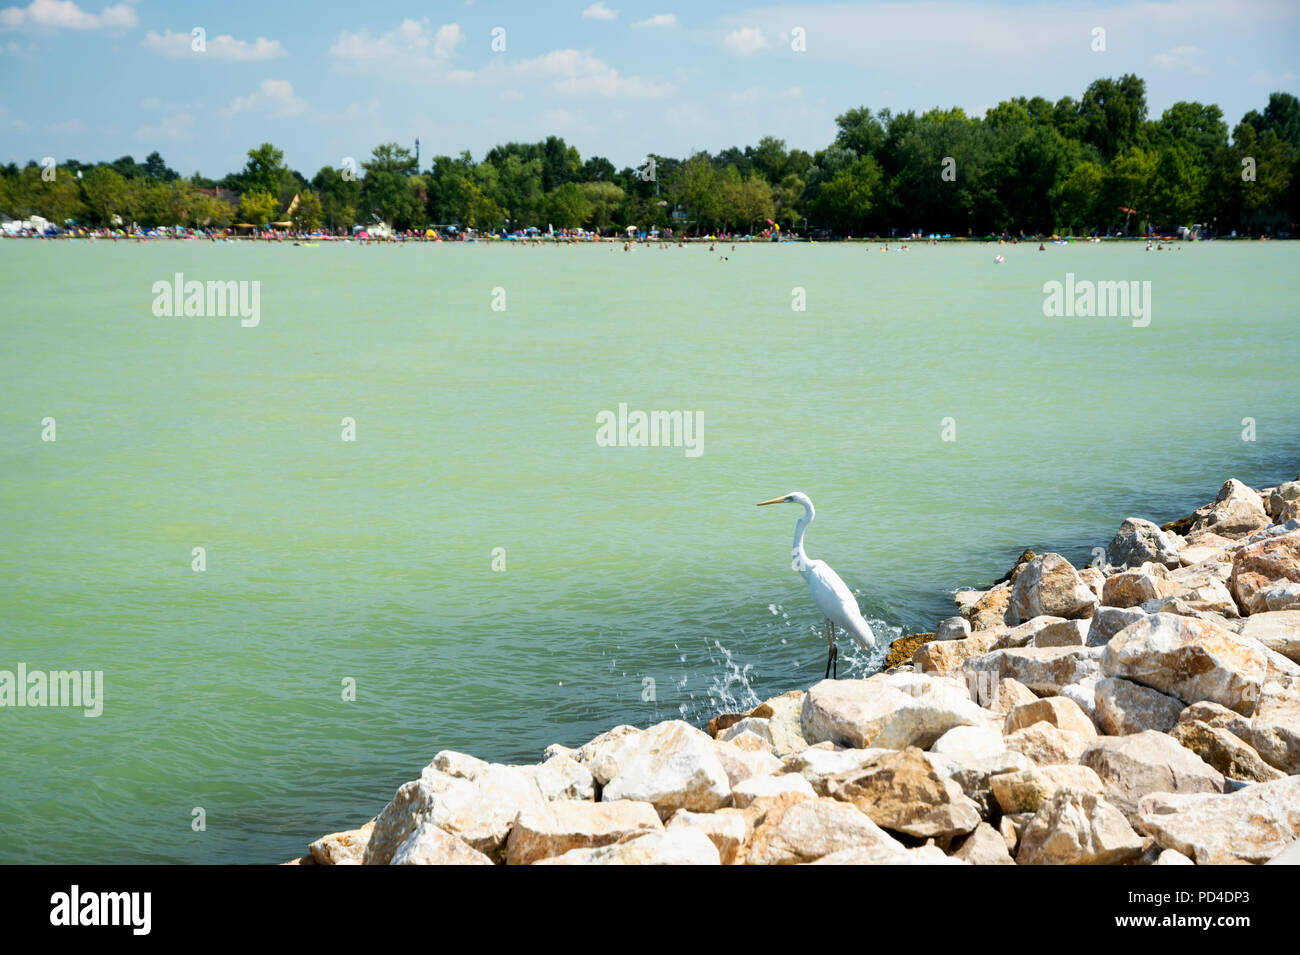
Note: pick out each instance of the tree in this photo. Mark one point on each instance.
(258, 208)
(264, 170)
(849, 198)
(307, 214)
(106, 196)
(391, 158)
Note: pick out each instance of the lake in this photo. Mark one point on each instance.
(480, 572)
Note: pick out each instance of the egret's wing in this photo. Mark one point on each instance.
(836, 601)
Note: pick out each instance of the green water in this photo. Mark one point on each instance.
(373, 560)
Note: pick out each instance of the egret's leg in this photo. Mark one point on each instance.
(835, 654)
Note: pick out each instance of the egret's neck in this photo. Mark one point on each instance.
(800, 556)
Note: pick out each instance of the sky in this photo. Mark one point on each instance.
(326, 80)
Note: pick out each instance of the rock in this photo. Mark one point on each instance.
(553, 828)
(990, 611)
(1062, 713)
(1026, 791)
(429, 845)
(740, 764)
(969, 743)
(966, 600)
(1023, 634)
(679, 846)
(757, 787)
(562, 777)
(1003, 695)
(1010, 827)
(1046, 745)
(1067, 633)
(1124, 707)
(1208, 597)
(1133, 588)
(1108, 621)
(1083, 695)
(555, 749)
(1251, 825)
(1010, 576)
(1288, 856)
(674, 766)
(902, 649)
(1225, 752)
(783, 714)
(1094, 577)
(1259, 568)
(1237, 512)
(889, 710)
(813, 828)
(1215, 714)
(1132, 766)
(760, 727)
(1275, 728)
(946, 657)
(1172, 857)
(1049, 585)
(816, 764)
(902, 792)
(975, 776)
(1043, 669)
(722, 721)
(984, 846)
(1191, 659)
(953, 628)
(726, 829)
(467, 797)
(1138, 541)
(1078, 828)
(889, 855)
(342, 848)
(600, 755)
(1285, 493)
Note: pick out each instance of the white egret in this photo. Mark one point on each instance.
(831, 595)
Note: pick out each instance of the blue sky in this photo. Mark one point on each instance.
(325, 80)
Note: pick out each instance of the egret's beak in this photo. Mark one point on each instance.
(775, 500)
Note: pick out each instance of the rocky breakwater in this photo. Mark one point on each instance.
(1145, 710)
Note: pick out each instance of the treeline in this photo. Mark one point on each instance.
(1096, 164)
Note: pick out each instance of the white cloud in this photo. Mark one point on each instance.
(71, 127)
(598, 11)
(277, 95)
(413, 49)
(659, 21)
(745, 41)
(1187, 58)
(178, 126)
(177, 46)
(151, 102)
(65, 15)
(579, 73)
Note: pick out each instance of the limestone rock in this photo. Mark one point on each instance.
(342, 848)
(1132, 766)
(1279, 630)
(726, 829)
(760, 727)
(1077, 828)
(902, 792)
(1237, 512)
(1259, 568)
(1275, 728)
(1049, 584)
(816, 764)
(1043, 669)
(1225, 752)
(674, 766)
(553, 828)
(1172, 857)
(601, 754)
(969, 743)
(984, 846)
(1124, 707)
(889, 710)
(740, 764)
(810, 829)
(990, 610)
(782, 714)
(1023, 634)
(678, 846)
(889, 855)
(1062, 713)
(1004, 694)
(1191, 659)
(1046, 745)
(1026, 791)
(953, 628)
(1138, 541)
(1133, 588)
(1251, 825)
(1108, 621)
(756, 787)
(1067, 633)
(946, 657)
(429, 845)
